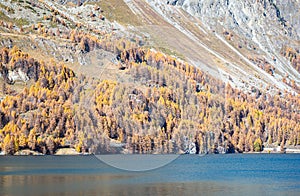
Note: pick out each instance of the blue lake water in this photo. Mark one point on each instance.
(230, 174)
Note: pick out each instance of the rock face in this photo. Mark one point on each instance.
(264, 27)
(18, 75)
(248, 17)
(262, 21)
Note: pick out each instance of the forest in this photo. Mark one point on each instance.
(167, 102)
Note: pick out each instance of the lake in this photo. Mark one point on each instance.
(229, 174)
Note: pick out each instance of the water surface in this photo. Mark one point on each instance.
(232, 174)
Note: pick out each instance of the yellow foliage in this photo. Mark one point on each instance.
(103, 97)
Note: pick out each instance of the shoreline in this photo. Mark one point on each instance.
(72, 152)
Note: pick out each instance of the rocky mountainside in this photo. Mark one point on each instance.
(270, 25)
(257, 32)
(246, 43)
(147, 76)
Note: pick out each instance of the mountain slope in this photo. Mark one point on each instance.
(146, 77)
(237, 34)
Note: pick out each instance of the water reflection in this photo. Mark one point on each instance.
(187, 175)
(112, 185)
